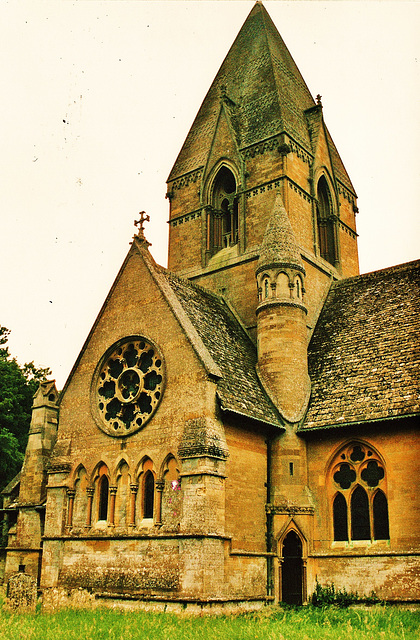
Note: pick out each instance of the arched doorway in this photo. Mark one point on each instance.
(292, 569)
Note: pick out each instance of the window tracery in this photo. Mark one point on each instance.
(128, 386)
(358, 484)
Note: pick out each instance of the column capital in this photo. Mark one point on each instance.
(160, 484)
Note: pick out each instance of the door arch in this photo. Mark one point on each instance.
(292, 574)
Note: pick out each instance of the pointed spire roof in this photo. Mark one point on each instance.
(266, 92)
(279, 246)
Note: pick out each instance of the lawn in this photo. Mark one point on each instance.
(273, 623)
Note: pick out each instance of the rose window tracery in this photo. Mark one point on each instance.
(129, 386)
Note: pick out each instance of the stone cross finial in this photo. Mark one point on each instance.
(140, 224)
(318, 99)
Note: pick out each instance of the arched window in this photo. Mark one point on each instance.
(326, 223)
(222, 217)
(340, 518)
(359, 507)
(380, 516)
(358, 493)
(80, 498)
(103, 498)
(148, 495)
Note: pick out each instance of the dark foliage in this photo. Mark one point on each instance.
(17, 387)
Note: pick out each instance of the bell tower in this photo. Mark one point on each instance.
(259, 132)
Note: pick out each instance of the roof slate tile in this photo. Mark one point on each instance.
(239, 389)
(364, 356)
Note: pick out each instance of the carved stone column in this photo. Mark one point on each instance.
(112, 493)
(160, 485)
(70, 495)
(304, 582)
(90, 491)
(133, 488)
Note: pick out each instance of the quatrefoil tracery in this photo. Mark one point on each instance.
(360, 463)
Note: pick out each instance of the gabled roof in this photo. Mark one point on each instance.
(364, 356)
(222, 345)
(238, 388)
(266, 91)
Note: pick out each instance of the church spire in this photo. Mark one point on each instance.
(257, 132)
(279, 246)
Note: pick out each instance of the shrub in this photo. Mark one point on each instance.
(329, 595)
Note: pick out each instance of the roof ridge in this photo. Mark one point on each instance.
(195, 285)
(269, 24)
(403, 266)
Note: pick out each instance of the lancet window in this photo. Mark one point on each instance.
(327, 243)
(222, 215)
(103, 498)
(148, 495)
(358, 487)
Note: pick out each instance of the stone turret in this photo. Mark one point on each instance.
(281, 317)
(26, 547)
(42, 434)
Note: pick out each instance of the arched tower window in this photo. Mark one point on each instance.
(266, 287)
(222, 218)
(326, 223)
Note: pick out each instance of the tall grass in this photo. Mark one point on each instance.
(273, 623)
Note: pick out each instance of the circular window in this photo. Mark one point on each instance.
(128, 386)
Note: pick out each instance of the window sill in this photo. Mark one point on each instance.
(357, 544)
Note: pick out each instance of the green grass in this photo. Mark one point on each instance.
(273, 623)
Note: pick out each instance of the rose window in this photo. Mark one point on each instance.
(129, 386)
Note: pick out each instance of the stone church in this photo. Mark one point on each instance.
(244, 423)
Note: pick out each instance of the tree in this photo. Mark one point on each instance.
(17, 387)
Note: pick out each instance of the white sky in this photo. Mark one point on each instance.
(97, 99)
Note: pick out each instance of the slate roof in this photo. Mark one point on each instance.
(364, 356)
(239, 389)
(269, 95)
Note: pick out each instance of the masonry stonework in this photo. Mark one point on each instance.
(244, 423)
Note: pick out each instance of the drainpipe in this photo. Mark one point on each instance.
(269, 522)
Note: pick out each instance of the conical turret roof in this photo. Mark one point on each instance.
(266, 91)
(279, 246)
